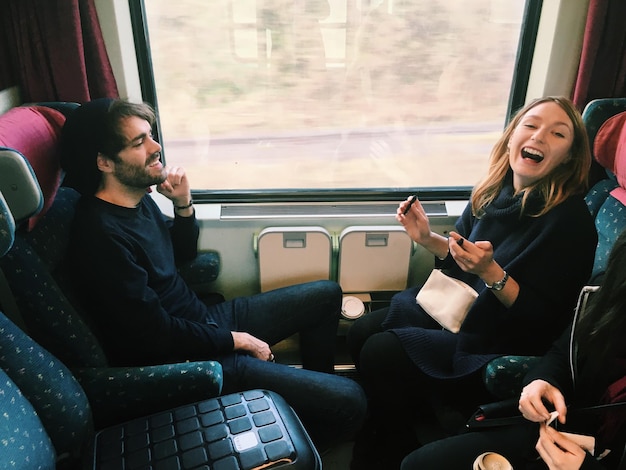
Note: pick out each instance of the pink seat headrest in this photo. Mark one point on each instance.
(34, 131)
(610, 151)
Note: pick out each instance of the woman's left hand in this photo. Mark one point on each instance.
(475, 258)
(557, 451)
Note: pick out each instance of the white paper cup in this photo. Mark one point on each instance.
(491, 461)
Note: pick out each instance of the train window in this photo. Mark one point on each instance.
(332, 94)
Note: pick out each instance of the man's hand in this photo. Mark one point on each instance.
(176, 186)
(253, 346)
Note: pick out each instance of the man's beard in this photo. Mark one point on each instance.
(138, 177)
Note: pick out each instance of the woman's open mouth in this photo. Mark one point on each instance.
(532, 154)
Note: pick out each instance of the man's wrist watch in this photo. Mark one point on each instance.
(498, 285)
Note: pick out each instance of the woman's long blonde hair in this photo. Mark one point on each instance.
(569, 178)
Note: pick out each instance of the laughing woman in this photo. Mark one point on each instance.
(525, 243)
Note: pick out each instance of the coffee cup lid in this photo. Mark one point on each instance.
(352, 307)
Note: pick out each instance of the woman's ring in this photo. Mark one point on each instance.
(272, 358)
(468, 260)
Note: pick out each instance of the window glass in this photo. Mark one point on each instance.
(323, 94)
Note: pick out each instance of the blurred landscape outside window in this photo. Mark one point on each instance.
(329, 94)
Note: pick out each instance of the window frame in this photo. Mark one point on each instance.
(517, 96)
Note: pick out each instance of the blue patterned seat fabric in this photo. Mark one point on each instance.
(27, 398)
(24, 443)
(46, 411)
(503, 376)
(55, 383)
(60, 405)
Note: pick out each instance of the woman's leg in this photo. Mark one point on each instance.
(395, 390)
(361, 330)
(515, 443)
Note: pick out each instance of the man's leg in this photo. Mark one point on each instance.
(311, 309)
(332, 408)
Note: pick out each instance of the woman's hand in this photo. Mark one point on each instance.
(417, 226)
(531, 401)
(415, 221)
(252, 345)
(475, 258)
(557, 451)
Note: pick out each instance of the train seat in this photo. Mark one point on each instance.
(34, 272)
(607, 198)
(605, 121)
(46, 413)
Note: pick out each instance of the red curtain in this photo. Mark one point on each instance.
(8, 77)
(602, 70)
(58, 50)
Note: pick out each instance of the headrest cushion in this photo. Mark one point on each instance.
(18, 184)
(35, 132)
(610, 150)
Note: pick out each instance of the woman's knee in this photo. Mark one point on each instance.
(452, 452)
(383, 352)
(425, 457)
(516, 443)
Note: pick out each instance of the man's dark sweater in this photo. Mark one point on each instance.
(124, 265)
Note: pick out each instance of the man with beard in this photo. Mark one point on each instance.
(123, 258)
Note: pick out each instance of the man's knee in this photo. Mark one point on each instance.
(323, 293)
(328, 289)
